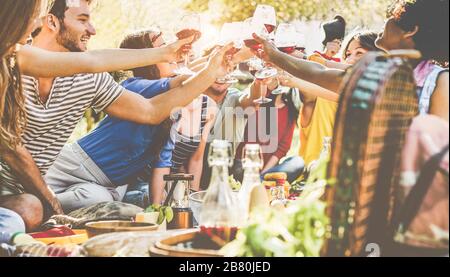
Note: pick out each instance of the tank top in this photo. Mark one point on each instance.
(426, 75)
(185, 146)
(321, 125)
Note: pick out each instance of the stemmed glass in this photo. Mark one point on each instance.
(264, 22)
(281, 89)
(230, 33)
(286, 38)
(265, 15)
(190, 25)
(262, 72)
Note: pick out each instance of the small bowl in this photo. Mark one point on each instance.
(102, 227)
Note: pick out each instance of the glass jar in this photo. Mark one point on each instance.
(220, 213)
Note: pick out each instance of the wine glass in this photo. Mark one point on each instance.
(286, 39)
(263, 71)
(281, 89)
(230, 33)
(265, 15)
(190, 25)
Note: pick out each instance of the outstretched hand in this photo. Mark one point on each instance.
(218, 62)
(178, 49)
(268, 48)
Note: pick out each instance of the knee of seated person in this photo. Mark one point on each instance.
(30, 208)
(298, 161)
(89, 197)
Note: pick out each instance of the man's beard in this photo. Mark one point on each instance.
(218, 92)
(69, 42)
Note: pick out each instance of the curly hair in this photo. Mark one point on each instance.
(432, 19)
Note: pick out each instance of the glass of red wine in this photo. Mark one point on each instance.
(230, 33)
(190, 25)
(286, 39)
(263, 23)
(256, 66)
(265, 15)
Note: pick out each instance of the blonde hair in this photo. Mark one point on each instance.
(12, 101)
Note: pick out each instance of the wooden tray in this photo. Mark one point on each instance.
(169, 247)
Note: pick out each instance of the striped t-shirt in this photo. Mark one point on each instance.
(49, 125)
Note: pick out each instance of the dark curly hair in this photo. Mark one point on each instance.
(432, 19)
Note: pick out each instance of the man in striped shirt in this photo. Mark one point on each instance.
(55, 106)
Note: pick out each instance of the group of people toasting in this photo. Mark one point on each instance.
(163, 119)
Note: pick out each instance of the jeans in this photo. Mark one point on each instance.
(138, 194)
(11, 222)
(292, 166)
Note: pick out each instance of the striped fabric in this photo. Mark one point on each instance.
(185, 146)
(50, 124)
(377, 106)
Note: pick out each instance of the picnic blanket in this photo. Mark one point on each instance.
(99, 212)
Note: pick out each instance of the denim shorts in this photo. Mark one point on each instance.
(11, 222)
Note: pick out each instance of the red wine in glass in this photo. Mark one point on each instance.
(185, 33)
(253, 44)
(223, 232)
(270, 28)
(287, 49)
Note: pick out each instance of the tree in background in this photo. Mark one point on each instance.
(363, 13)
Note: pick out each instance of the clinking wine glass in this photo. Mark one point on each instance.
(281, 89)
(264, 72)
(190, 25)
(266, 15)
(286, 38)
(230, 33)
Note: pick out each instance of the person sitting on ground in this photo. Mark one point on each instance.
(118, 151)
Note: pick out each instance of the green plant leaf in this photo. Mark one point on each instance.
(161, 217)
(169, 214)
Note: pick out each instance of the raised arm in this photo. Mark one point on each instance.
(195, 165)
(37, 62)
(309, 71)
(136, 108)
(309, 90)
